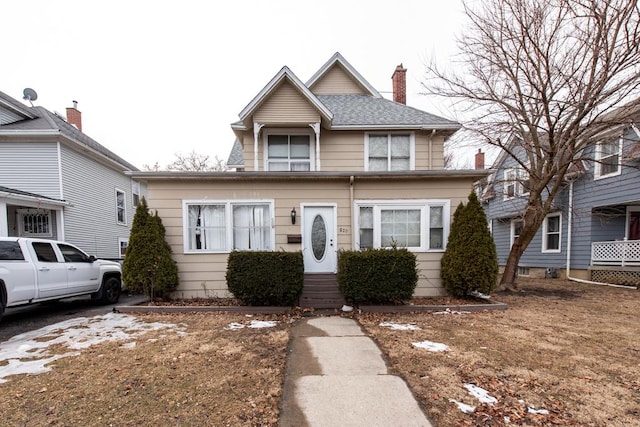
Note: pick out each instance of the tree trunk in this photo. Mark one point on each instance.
(530, 224)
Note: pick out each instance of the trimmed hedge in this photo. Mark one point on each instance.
(377, 276)
(265, 278)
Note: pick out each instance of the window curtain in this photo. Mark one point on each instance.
(400, 152)
(251, 227)
(207, 227)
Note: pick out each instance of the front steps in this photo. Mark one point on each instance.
(321, 291)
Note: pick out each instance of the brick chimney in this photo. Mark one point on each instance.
(479, 159)
(399, 79)
(74, 116)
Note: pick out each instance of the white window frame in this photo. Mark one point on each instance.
(545, 233)
(412, 148)
(288, 132)
(21, 214)
(135, 192)
(122, 240)
(513, 230)
(124, 207)
(514, 177)
(597, 173)
(425, 229)
(228, 217)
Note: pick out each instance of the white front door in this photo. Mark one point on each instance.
(319, 240)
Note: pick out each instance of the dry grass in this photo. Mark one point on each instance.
(572, 349)
(209, 377)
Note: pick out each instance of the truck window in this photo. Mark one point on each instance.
(10, 251)
(72, 254)
(44, 252)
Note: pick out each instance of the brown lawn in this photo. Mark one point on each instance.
(569, 348)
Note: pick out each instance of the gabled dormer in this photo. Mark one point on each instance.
(337, 122)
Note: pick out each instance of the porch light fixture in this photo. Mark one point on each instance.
(293, 215)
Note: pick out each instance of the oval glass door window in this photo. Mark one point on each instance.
(318, 237)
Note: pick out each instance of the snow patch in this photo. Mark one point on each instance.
(481, 394)
(449, 311)
(28, 353)
(400, 326)
(431, 346)
(532, 410)
(467, 409)
(254, 324)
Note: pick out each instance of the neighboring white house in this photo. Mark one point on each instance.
(58, 183)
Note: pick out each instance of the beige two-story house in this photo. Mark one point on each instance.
(320, 166)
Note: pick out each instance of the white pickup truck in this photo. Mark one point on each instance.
(36, 270)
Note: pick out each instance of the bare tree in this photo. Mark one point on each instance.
(197, 162)
(555, 75)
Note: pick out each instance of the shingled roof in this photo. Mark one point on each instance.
(44, 120)
(369, 111)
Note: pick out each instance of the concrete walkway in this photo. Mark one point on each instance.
(336, 376)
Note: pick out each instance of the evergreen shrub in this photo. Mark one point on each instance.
(377, 275)
(470, 262)
(148, 267)
(265, 278)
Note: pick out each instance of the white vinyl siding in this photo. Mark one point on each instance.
(31, 167)
(389, 152)
(222, 226)
(90, 221)
(608, 159)
(418, 225)
(551, 228)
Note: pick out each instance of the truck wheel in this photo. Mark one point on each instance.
(110, 291)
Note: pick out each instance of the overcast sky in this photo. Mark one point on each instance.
(153, 78)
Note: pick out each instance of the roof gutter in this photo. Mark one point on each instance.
(41, 200)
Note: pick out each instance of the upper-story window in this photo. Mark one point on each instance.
(289, 152)
(121, 212)
(389, 152)
(608, 158)
(135, 191)
(515, 183)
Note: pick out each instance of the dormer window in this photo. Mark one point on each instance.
(289, 152)
(389, 152)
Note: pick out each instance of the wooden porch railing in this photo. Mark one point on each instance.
(619, 253)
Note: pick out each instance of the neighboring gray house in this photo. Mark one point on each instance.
(56, 182)
(593, 230)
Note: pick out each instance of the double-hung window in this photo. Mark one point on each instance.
(551, 232)
(121, 213)
(222, 226)
(415, 224)
(389, 152)
(289, 152)
(608, 158)
(516, 229)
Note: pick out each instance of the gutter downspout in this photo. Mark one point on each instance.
(569, 233)
(351, 211)
(433, 132)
